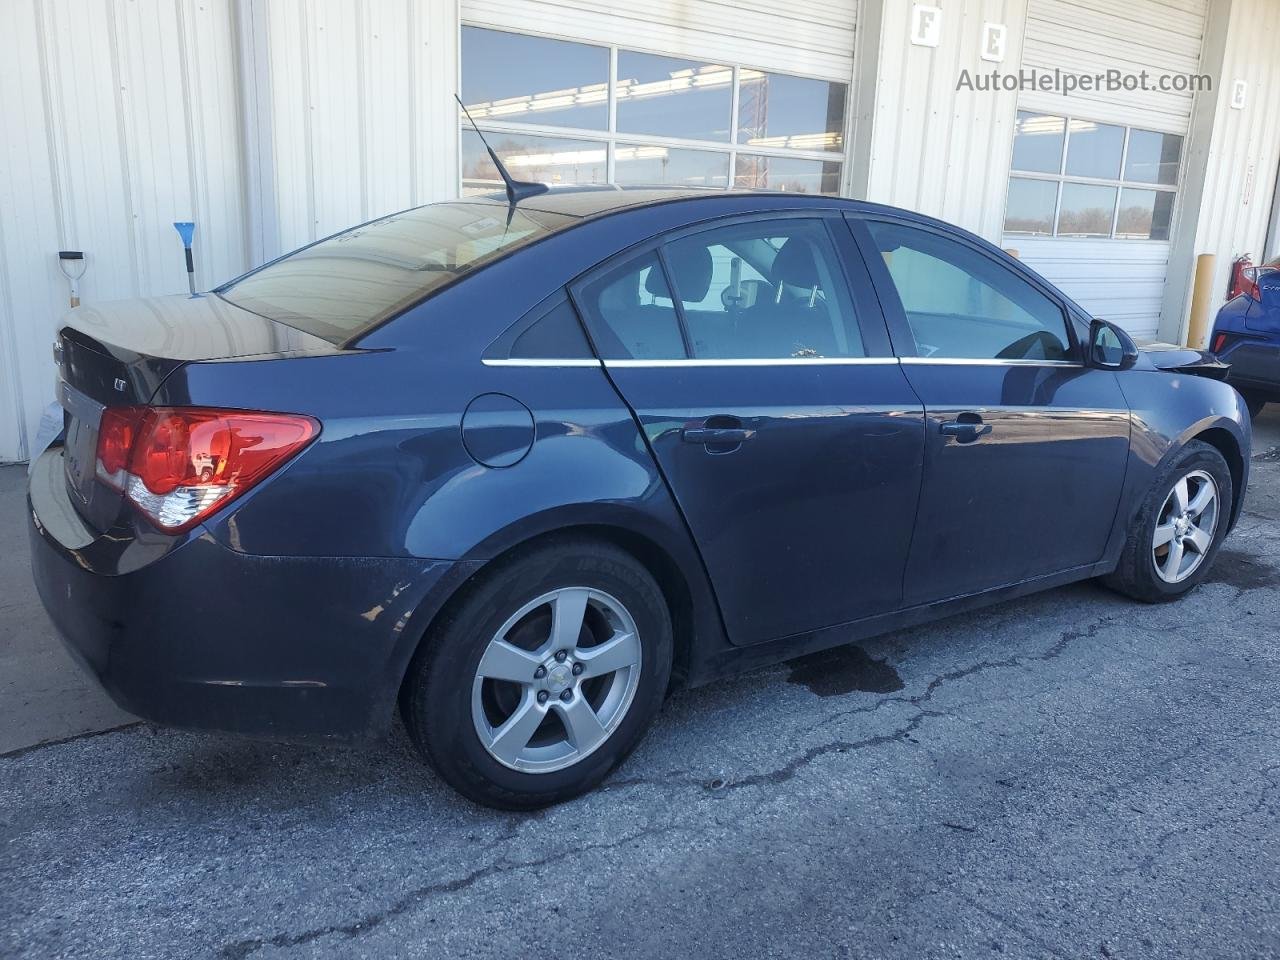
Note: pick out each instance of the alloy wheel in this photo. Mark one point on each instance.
(556, 680)
(1185, 526)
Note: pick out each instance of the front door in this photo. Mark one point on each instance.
(1026, 447)
(766, 389)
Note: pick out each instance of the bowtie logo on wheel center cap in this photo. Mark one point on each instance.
(559, 678)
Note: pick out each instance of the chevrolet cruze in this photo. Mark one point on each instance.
(522, 468)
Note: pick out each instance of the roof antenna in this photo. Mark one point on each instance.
(517, 190)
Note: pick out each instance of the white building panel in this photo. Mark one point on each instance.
(1094, 36)
(363, 121)
(935, 147)
(119, 118)
(1121, 280)
(1117, 280)
(1240, 152)
(813, 38)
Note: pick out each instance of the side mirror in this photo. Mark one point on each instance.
(1110, 347)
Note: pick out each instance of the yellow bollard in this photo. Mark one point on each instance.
(1201, 298)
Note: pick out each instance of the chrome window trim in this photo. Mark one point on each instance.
(539, 362)
(754, 362)
(775, 362)
(993, 362)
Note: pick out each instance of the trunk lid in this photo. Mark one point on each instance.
(1171, 357)
(118, 353)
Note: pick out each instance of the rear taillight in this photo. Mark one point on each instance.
(1219, 341)
(1249, 278)
(179, 464)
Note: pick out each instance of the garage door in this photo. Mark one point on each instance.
(1093, 190)
(679, 92)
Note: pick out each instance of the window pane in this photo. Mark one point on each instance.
(1030, 207)
(1153, 157)
(667, 97)
(786, 173)
(1037, 143)
(543, 159)
(765, 290)
(670, 165)
(630, 313)
(962, 304)
(519, 79)
(557, 335)
(1094, 149)
(776, 110)
(1086, 210)
(341, 286)
(1144, 214)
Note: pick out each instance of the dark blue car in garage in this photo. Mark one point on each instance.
(521, 468)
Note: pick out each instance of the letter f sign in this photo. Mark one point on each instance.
(926, 25)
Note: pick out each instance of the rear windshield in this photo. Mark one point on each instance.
(340, 287)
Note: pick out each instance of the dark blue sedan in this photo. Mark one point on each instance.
(523, 468)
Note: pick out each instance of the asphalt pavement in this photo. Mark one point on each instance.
(1068, 775)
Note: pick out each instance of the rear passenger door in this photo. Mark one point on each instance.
(1026, 446)
(766, 388)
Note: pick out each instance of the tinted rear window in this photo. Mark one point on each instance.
(342, 286)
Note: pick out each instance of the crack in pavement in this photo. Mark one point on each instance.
(87, 735)
(1162, 842)
(1065, 639)
(240, 949)
(1016, 927)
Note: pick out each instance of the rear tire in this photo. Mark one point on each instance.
(504, 718)
(1175, 534)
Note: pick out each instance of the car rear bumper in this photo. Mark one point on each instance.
(1254, 366)
(186, 632)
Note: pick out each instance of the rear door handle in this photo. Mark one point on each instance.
(967, 428)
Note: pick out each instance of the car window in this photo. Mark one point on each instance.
(556, 334)
(763, 290)
(630, 312)
(343, 286)
(963, 304)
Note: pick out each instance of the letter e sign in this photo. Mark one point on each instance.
(993, 41)
(926, 25)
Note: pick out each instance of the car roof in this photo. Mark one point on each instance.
(584, 202)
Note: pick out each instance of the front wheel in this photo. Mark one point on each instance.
(543, 677)
(1178, 529)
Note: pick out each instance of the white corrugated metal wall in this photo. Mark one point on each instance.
(1122, 280)
(929, 145)
(362, 100)
(1244, 149)
(273, 122)
(814, 37)
(119, 118)
(123, 116)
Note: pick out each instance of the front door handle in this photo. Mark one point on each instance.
(718, 431)
(967, 428)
